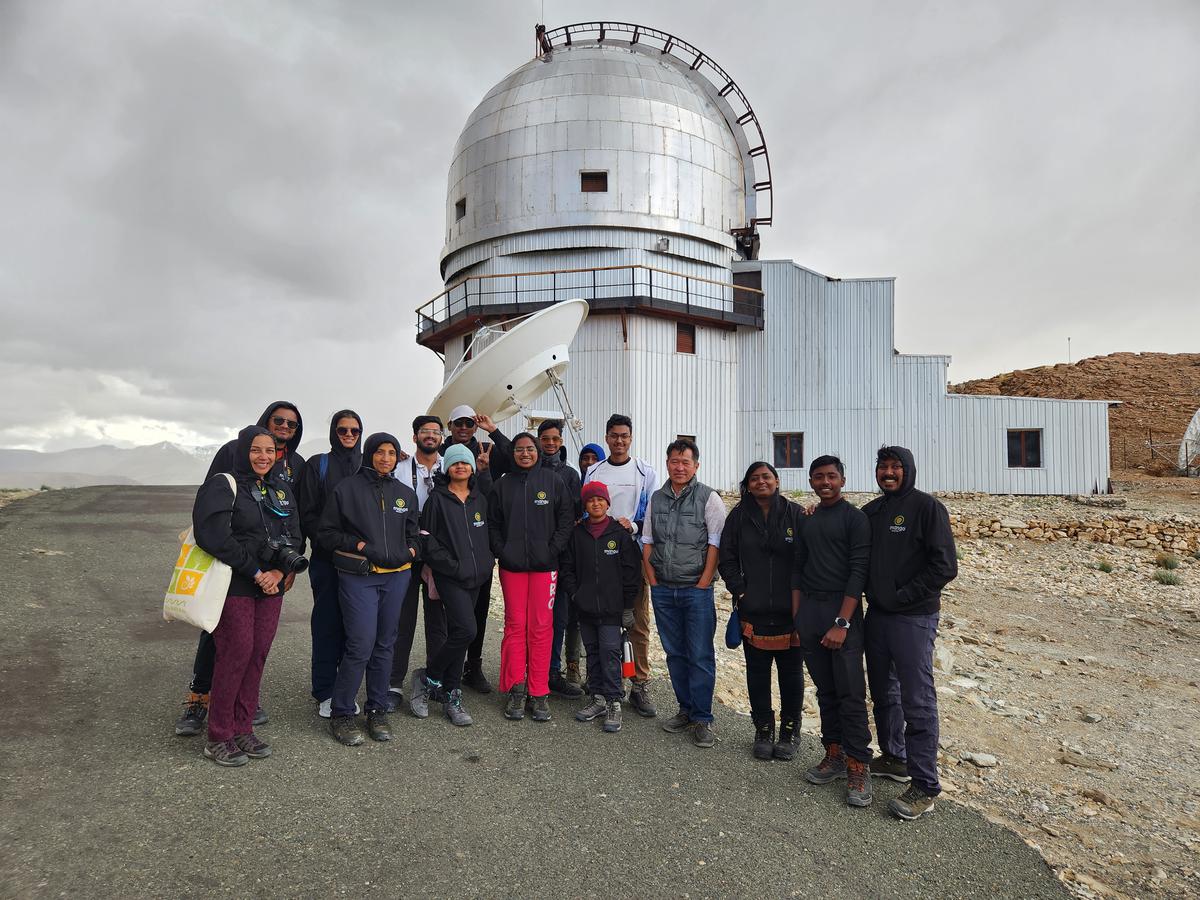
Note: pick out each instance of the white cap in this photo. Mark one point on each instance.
(461, 412)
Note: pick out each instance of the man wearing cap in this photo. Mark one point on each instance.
(492, 459)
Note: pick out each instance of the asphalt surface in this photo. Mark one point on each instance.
(98, 797)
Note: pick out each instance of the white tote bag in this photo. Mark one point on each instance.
(199, 584)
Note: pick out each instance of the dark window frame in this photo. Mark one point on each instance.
(1026, 453)
(685, 336)
(460, 209)
(793, 445)
(593, 181)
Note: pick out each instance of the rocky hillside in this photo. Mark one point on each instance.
(1159, 393)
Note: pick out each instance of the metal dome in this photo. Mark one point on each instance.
(676, 157)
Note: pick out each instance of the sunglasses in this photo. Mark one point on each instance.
(286, 423)
(346, 432)
(463, 423)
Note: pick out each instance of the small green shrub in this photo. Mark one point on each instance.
(1166, 560)
(958, 551)
(1162, 576)
(1104, 566)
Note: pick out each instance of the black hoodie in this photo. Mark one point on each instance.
(235, 528)
(530, 518)
(313, 491)
(756, 560)
(912, 548)
(373, 508)
(455, 535)
(603, 575)
(570, 479)
(290, 465)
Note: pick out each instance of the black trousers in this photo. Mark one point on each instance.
(435, 627)
(202, 667)
(483, 601)
(602, 644)
(446, 665)
(790, 665)
(838, 674)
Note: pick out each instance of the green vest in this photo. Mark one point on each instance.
(680, 534)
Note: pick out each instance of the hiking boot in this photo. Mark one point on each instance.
(474, 678)
(195, 714)
(252, 746)
(858, 783)
(378, 726)
(345, 729)
(764, 740)
(702, 734)
(454, 710)
(260, 717)
(515, 707)
(418, 694)
(395, 698)
(789, 740)
(225, 753)
(892, 767)
(594, 710)
(563, 687)
(831, 768)
(912, 804)
(678, 723)
(572, 674)
(639, 699)
(612, 716)
(539, 708)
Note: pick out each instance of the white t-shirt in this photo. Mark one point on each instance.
(629, 484)
(418, 477)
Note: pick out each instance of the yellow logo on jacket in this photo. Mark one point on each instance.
(280, 495)
(478, 517)
(899, 520)
(400, 503)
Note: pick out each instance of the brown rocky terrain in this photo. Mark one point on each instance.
(1159, 393)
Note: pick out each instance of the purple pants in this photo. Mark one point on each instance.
(243, 638)
(900, 673)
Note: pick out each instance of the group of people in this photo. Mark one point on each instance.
(582, 557)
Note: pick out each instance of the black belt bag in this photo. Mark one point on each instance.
(351, 563)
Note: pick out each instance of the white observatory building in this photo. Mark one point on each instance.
(624, 166)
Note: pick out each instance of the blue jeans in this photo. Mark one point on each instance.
(687, 623)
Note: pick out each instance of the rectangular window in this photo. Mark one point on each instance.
(685, 337)
(593, 182)
(468, 348)
(789, 450)
(1024, 448)
(460, 209)
(686, 437)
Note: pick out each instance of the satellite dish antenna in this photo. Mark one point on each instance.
(1189, 447)
(519, 366)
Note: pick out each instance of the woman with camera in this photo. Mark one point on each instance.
(370, 529)
(256, 532)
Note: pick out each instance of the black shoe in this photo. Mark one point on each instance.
(639, 699)
(764, 739)
(474, 678)
(562, 687)
(378, 726)
(260, 717)
(515, 707)
(195, 714)
(789, 739)
(702, 735)
(346, 730)
(891, 767)
(539, 708)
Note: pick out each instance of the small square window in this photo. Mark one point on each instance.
(1024, 448)
(686, 437)
(789, 450)
(460, 209)
(685, 337)
(593, 182)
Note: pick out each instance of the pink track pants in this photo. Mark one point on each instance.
(528, 629)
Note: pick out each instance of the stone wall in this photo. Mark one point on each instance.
(1177, 534)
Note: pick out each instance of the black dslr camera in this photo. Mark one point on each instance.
(284, 558)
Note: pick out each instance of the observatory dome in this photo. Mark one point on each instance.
(598, 135)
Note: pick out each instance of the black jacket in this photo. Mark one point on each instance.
(235, 528)
(530, 519)
(603, 576)
(376, 509)
(290, 466)
(757, 560)
(499, 461)
(570, 480)
(313, 491)
(912, 548)
(455, 536)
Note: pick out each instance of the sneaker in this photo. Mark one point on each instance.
(540, 708)
(378, 726)
(702, 734)
(764, 740)
(346, 730)
(515, 707)
(789, 740)
(418, 695)
(593, 710)
(572, 674)
(678, 723)
(474, 678)
(454, 709)
(831, 768)
(858, 783)
(195, 714)
(612, 716)
(395, 698)
(252, 746)
(892, 767)
(639, 699)
(325, 710)
(913, 803)
(260, 717)
(563, 687)
(225, 753)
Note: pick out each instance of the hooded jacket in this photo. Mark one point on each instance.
(455, 535)
(376, 509)
(912, 548)
(757, 558)
(603, 575)
(313, 491)
(570, 480)
(595, 448)
(499, 462)
(235, 529)
(290, 465)
(530, 519)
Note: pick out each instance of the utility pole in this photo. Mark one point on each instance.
(1068, 349)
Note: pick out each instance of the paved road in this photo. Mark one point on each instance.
(99, 798)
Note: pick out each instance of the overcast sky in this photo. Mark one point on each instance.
(207, 206)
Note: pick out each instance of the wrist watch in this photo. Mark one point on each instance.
(841, 623)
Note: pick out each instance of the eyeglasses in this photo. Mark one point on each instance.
(286, 423)
(345, 432)
(429, 432)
